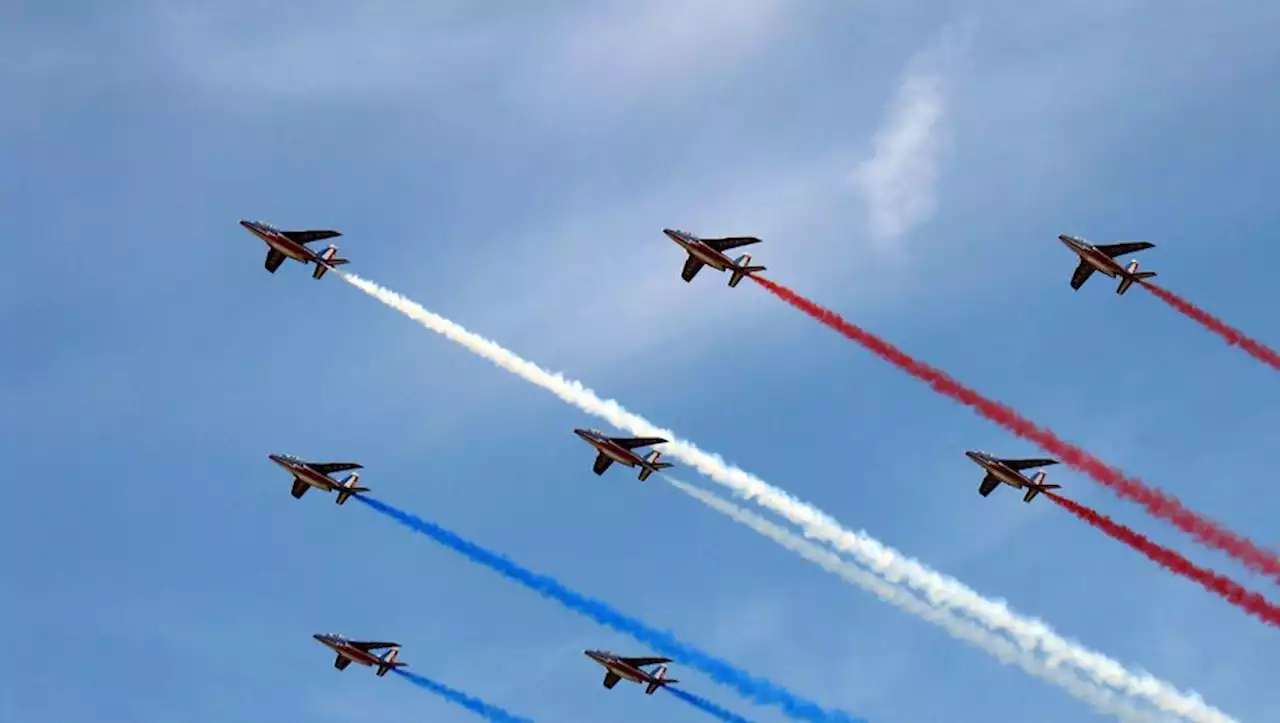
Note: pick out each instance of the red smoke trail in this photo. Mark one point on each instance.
(1249, 601)
(1158, 503)
(1257, 350)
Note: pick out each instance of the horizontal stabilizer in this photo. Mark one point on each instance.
(742, 267)
(651, 465)
(1037, 486)
(348, 487)
(325, 260)
(659, 679)
(1131, 275)
(388, 662)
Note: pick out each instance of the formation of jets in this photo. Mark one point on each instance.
(622, 450)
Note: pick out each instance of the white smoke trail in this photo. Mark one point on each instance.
(884, 561)
(1103, 700)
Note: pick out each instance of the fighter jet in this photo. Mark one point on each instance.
(1103, 258)
(617, 668)
(316, 474)
(349, 650)
(710, 252)
(1009, 471)
(618, 449)
(293, 245)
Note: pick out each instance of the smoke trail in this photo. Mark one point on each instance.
(1102, 700)
(880, 558)
(705, 705)
(758, 690)
(1234, 593)
(1207, 531)
(1256, 349)
(457, 697)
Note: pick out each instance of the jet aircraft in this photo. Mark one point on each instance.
(710, 252)
(316, 474)
(293, 245)
(619, 449)
(360, 651)
(1102, 259)
(1009, 471)
(632, 669)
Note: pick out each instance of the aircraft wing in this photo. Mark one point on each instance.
(306, 237)
(299, 488)
(341, 663)
(691, 268)
(633, 442)
(989, 483)
(602, 463)
(370, 645)
(331, 467)
(1114, 250)
(1021, 464)
(730, 242)
(611, 679)
(1082, 274)
(274, 259)
(641, 662)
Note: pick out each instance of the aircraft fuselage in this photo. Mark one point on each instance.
(1101, 262)
(349, 652)
(1011, 477)
(619, 668)
(281, 243)
(702, 252)
(301, 471)
(611, 450)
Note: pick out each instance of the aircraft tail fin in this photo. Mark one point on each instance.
(390, 663)
(651, 465)
(1038, 486)
(349, 487)
(659, 679)
(328, 258)
(742, 267)
(1132, 274)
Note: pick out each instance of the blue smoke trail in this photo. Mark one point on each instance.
(759, 690)
(705, 705)
(457, 697)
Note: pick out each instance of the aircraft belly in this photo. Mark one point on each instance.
(626, 674)
(1005, 477)
(715, 261)
(292, 250)
(1106, 268)
(620, 458)
(318, 484)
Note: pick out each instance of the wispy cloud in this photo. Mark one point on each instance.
(627, 51)
(558, 58)
(898, 182)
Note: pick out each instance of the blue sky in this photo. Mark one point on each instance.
(512, 167)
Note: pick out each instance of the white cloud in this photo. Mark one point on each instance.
(898, 183)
